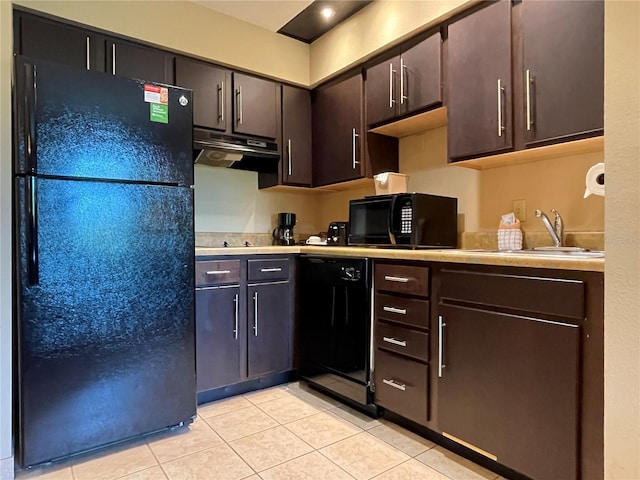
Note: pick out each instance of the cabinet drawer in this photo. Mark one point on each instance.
(550, 296)
(405, 341)
(401, 386)
(411, 280)
(409, 311)
(273, 269)
(214, 272)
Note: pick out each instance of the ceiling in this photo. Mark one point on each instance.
(299, 19)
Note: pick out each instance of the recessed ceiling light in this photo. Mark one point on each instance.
(327, 12)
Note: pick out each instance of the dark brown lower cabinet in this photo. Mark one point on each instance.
(269, 324)
(219, 346)
(509, 385)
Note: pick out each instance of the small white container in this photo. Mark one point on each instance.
(390, 182)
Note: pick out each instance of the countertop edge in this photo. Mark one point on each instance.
(445, 256)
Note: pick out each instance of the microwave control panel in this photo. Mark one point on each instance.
(406, 218)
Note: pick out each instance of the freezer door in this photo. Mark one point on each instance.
(105, 323)
(84, 124)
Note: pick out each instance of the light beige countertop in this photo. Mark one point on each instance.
(451, 255)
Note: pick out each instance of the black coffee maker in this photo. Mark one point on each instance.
(283, 233)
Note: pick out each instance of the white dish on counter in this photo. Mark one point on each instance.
(315, 240)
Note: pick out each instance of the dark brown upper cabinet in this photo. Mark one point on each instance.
(255, 106)
(211, 87)
(45, 39)
(342, 150)
(135, 61)
(480, 89)
(296, 136)
(563, 61)
(406, 83)
(523, 76)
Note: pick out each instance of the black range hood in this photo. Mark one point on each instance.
(220, 150)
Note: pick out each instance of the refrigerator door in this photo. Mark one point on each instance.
(83, 124)
(105, 325)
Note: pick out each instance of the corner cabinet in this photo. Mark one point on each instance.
(244, 324)
(524, 75)
(342, 149)
(406, 83)
(296, 137)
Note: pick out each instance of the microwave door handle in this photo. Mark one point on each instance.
(392, 216)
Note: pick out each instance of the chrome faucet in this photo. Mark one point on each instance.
(557, 230)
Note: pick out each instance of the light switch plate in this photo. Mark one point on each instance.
(519, 209)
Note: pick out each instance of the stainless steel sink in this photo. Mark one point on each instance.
(556, 252)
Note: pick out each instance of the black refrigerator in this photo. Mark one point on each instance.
(104, 259)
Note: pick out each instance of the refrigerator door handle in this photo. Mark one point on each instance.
(31, 200)
(30, 118)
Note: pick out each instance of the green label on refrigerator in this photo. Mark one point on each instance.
(159, 113)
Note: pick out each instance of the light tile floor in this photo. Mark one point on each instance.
(287, 432)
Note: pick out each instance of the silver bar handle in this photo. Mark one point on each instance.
(113, 58)
(391, 383)
(403, 68)
(88, 53)
(528, 82)
(218, 272)
(391, 72)
(274, 269)
(441, 326)
(255, 313)
(391, 278)
(501, 127)
(221, 102)
(401, 311)
(289, 155)
(235, 327)
(354, 135)
(239, 104)
(395, 341)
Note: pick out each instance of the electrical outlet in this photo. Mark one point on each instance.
(519, 209)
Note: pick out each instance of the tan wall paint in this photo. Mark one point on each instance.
(556, 183)
(622, 274)
(6, 444)
(191, 28)
(377, 26)
(424, 158)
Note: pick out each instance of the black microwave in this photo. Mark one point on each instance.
(404, 219)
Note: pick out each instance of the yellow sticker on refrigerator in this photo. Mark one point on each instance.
(159, 113)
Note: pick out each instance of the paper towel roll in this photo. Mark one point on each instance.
(595, 180)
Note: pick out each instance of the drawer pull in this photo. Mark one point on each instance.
(401, 311)
(218, 272)
(276, 269)
(395, 341)
(391, 278)
(393, 384)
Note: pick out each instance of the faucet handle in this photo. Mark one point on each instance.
(558, 224)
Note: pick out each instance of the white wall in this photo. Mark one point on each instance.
(228, 200)
(6, 447)
(622, 227)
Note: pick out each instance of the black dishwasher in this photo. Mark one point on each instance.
(335, 326)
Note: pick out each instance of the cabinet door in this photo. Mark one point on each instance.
(337, 132)
(135, 61)
(269, 328)
(255, 106)
(382, 93)
(211, 87)
(420, 76)
(296, 136)
(219, 336)
(56, 42)
(564, 56)
(479, 83)
(509, 386)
